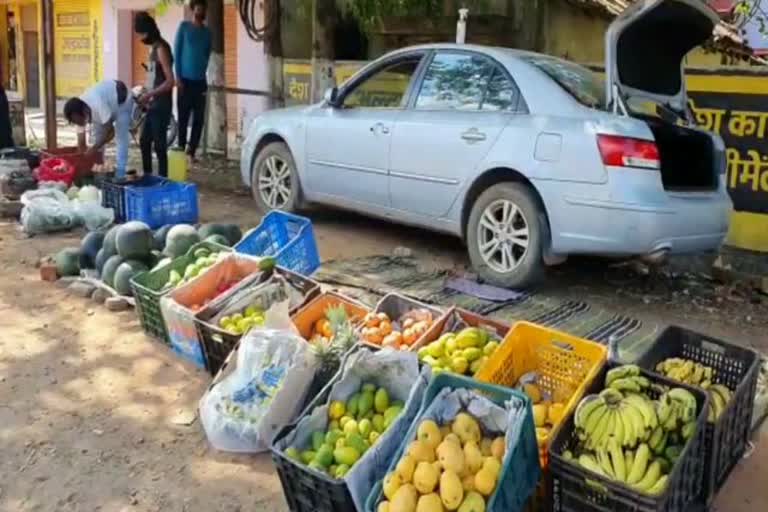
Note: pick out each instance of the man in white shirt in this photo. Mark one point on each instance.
(106, 106)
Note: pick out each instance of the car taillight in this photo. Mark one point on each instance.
(628, 152)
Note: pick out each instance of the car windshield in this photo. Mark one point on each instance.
(587, 87)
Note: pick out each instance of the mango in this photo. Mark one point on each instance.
(391, 414)
(378, 423)
(341, 471)
(344, 420)
(498, 448)
(493, 465)
(307, 456)
(324, 456)
(425, 477)
(405, 468)
(430, 503)
(451, 490)
(346, 455)
(436, 349)
(469, 337)
(473, 457)
(555, 413)
(423, 352)
(404, 499)
(332, 436)
(293, 453)
(473, 502)
(468, 483)
(334, 425)
(355, 441)
(451, 457)
(421, 452)
(472, 354)
(340, 443)
(451, 345)
(381, 401)
(533, 391)
(490, 348)
(368, 388)
(466, 427)
(318, 440)
(485, 447)
(365, 403)
(459, 365)
(373, 437)
(352, 404)
(336, 410)
(540, 414)
(485, 481)
(383, 507)
(390, 485)
(453, 438)
(350, 427)
(365, 427)
(429, 432)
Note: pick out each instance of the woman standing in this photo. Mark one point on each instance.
(158, 100)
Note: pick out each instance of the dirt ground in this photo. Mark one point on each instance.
(94, 416)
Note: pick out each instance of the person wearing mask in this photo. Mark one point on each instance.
(158, 98)
(192, 49)
(6, 133)
(107, 107)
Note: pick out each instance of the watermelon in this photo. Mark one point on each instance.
(207, 230)
(125, 272)
(101, 258)
(110, 241)
(218, 239)
(233, 233)
(180, 239)
(90, 247)
(110, 267)
(134, 240)
(68, 262)
(159, 237)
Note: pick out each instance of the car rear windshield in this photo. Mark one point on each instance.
(581, 83)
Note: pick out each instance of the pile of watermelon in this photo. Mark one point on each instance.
(126, 250)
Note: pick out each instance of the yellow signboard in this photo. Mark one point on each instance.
(77, 36)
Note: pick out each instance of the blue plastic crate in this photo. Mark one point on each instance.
(521, 470)
(288, 238)
(167, 202)
(113, 192)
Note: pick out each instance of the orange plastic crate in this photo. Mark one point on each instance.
(566, 365)
(305, 318)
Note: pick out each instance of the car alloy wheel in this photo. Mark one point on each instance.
(503, 236)
(274, 183)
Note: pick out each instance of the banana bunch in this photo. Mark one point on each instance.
(719, 396)
(636, 468)
(686, 371)
(619, 412)
(696, 374)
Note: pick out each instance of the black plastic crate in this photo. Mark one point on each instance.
(575, 489)
(113, 192)
(736, 368)
(218, 343)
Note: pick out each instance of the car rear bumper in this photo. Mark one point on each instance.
(642, 223)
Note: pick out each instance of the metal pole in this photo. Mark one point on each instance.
(50, 74)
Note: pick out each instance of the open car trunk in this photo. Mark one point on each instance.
(688, 157)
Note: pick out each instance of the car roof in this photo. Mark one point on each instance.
(495, 51)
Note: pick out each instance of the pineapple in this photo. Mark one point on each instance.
(330, 351)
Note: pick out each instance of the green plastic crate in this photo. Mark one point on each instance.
(148, 289)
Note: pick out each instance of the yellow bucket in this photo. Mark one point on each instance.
(177, 165)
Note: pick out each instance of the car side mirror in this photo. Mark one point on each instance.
(331, 97)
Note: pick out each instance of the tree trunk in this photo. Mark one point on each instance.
(216, 127)
(323, 24)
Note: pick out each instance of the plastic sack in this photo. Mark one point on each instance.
(95, 216)
(47, 210)
(89, 193)
(245, 410)
(399, 373)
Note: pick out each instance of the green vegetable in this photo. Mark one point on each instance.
(68, 262)
(134, 240)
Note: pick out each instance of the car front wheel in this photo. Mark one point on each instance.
(504, 236)
(274, 180)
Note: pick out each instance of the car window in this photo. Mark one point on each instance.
(455, 81)
(501, 94)
(581, 83)
(386, 88)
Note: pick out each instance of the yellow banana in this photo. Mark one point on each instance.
(645, 407)
(594, 419)
(698, 374)
(587, 405)
(618, 428)
(587, 461)
(596, 434)
(629, 459)
(635, 418)
(651, 477)
(639, 465)
(617, 460)
(659, 486)
(620, 372)
(605, 462)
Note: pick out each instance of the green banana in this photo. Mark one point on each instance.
(642, 381)
(688, 430)
(605, 462)
(686, 399)
(618, 428)
(656, 440)
(617, 460)
(587, 405)
(625, 384)
(611, 396)
(620, 372)
(671, 423)
(609, 423)
(594, 435)
(639, 465)
(635, 418)
(629, 459)
(659, 486)
(651, 477)
(587, 461)
(594, 419)
(663, 408)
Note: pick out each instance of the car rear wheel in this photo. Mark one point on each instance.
(274, 180)
(504, 236)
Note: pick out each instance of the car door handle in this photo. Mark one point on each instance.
(473, 135)
(381, 128)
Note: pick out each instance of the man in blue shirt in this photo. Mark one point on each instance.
(192, 50)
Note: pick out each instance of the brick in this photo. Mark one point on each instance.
(48, 272)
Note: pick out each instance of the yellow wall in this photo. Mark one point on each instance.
(78, 41)
(572, 33)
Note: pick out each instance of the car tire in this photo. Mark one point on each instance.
(269, 170)
(506, 249)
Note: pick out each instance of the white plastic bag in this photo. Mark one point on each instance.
(93, 215)
(247, 408)
(47, 210)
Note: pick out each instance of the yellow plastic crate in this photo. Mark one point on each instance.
(566, 365)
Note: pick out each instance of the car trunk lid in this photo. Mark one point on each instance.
(645, 48)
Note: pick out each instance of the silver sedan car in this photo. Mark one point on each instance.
(526, 157)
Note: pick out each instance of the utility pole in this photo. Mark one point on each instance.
(216, 127)
(273, 45)
(50, 74)
(323, 24)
